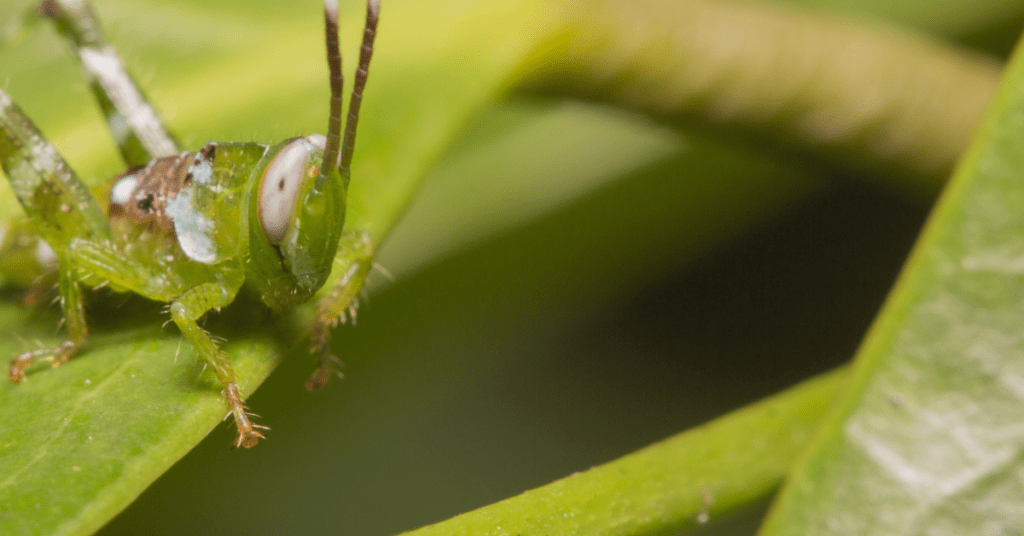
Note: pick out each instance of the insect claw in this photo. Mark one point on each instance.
(15, 374)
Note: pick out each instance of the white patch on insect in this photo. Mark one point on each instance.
(201, 171)
(44, 159)
(45, 255)
(279, 188)
(195, 232)
(318, 140)
(121, 193)
(106, 66)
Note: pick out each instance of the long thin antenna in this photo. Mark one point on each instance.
(365, 53)
(330, 162)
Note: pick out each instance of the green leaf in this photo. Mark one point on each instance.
(931, 438)
(441, 64)
(669, 487)
(79, 443)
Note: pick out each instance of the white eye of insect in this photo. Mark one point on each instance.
(279, 188)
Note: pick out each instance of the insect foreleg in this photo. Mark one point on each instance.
(96, 263)
(185, 311)
(74, 317)
(353, 262)
(133, 122)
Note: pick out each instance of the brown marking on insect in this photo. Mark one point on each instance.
(157, 184)
(208, 152)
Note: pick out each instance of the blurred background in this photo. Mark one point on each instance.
(572, 283)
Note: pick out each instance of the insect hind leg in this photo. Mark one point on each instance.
(133, 122)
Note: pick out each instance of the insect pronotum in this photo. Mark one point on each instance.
(192, 229)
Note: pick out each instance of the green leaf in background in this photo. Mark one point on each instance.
(575, 282)
(931, 439)
(886, 103)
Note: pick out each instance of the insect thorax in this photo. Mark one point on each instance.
(196, 198)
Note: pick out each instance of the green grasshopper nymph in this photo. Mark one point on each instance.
(192, 229)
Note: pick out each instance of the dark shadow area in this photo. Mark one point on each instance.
(998, 39)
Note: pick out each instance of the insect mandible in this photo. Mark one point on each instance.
(192, 229)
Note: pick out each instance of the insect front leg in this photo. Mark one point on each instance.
(93, 263)
(74, 319)
(185, 311)
(97, 263)
(354, 260)
(133, 122)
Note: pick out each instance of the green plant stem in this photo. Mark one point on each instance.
(878, 98)
(678, 484)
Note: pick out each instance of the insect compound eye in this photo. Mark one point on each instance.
(280, 187)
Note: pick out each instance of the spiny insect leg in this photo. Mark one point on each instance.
(92, 263)
(185, 311)
(74, 316)
(133, 122)
(355, 258)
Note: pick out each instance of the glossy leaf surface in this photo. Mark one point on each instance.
(930, 441)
